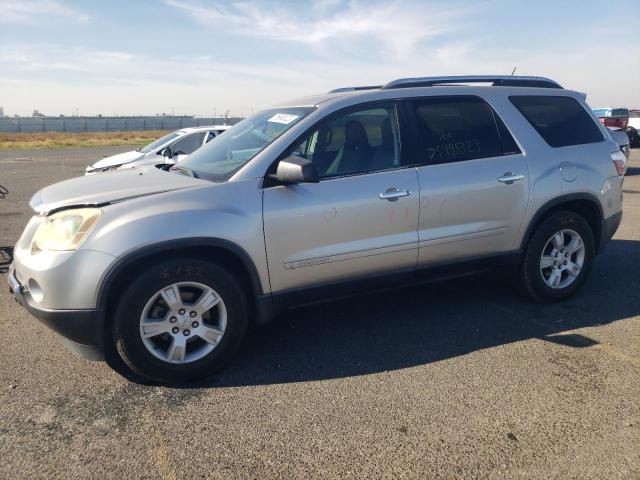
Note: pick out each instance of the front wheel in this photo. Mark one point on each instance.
(558, 257)
(180, 320)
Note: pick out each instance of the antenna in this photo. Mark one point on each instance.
(514, 70)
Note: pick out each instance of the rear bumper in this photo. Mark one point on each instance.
(81, 331)
(609, 228)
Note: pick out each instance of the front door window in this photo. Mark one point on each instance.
(354, 143)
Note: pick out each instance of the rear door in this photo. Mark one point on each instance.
(360, 219)
(473, 179)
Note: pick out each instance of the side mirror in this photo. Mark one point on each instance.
(296, 170)
(166, 152)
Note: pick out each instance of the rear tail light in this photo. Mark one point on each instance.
(618, 122)
(619, 161)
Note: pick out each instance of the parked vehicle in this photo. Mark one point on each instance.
(6, 253)
(617, 118)
(634, 123)
(621, 138)
(167, 150)
(324, 196)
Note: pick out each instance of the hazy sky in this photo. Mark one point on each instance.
(206, 56)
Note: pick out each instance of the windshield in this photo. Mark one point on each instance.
(220, 160)
(602, 112)
(158, 143)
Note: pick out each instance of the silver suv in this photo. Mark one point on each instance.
(325, 196)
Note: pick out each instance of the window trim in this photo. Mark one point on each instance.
(418, 145)
(401, 121)
(497, 118)
(589, 113)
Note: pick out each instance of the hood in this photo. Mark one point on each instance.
(110, 188)
(118, 159)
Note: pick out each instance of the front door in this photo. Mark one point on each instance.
(360, 219)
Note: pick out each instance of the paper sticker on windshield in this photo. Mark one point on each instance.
(284, 118)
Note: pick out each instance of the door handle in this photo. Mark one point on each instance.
(509, 178)
(392, 194)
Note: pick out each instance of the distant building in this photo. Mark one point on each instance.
(36, 113)
(1, 112)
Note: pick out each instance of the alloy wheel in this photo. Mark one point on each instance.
(562, 259)
(183, 322)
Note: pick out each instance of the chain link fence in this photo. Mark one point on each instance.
(106, 124)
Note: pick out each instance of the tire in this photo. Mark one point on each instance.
(180, 347)
(547, 281)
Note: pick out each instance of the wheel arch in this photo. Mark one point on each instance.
(222, 251)
(585, 204)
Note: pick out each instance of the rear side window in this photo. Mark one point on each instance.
(454, 129)
(560, 121)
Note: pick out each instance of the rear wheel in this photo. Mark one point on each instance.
(180, 320)
(558, 257)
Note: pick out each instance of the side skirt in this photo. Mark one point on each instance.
(270, 305)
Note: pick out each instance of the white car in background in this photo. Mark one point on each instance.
(167, 150)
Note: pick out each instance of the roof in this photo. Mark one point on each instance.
(491, 80)
(446, 84)
(204, 128)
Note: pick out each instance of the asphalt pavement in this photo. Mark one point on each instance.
(456, 380)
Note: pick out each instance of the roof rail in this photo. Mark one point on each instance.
(494, 80)
(353, 89)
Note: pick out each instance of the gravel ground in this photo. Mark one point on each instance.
(457, 380)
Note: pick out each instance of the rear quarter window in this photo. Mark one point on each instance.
(560, 121)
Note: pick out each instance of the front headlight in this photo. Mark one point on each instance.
(65, 230)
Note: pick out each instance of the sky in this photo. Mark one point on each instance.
(206, 57)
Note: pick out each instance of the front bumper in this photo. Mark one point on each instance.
(81, 331)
